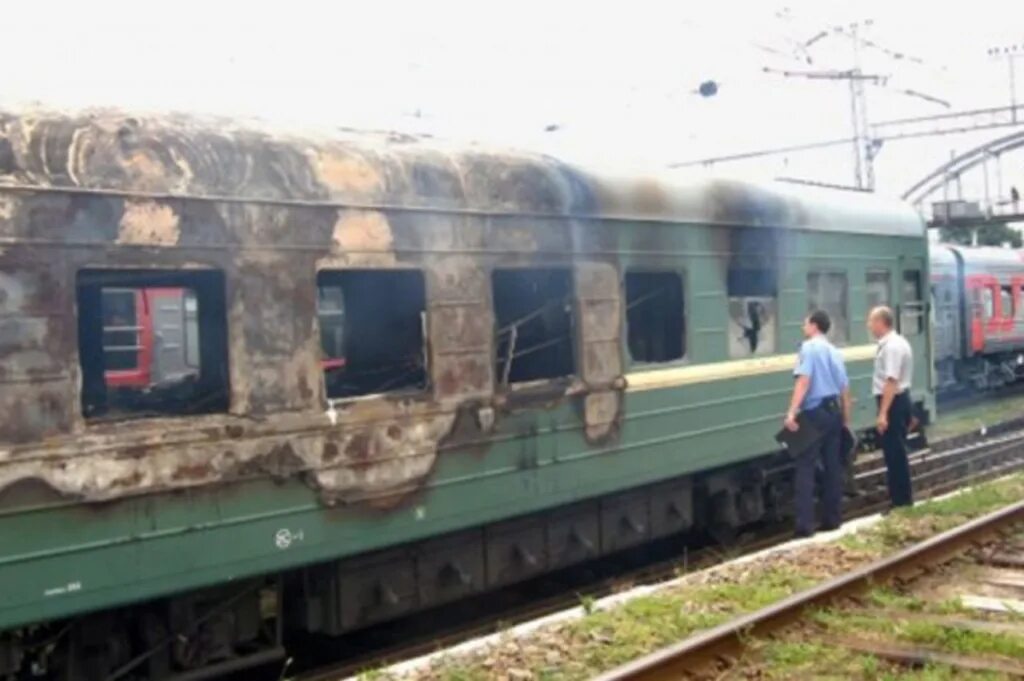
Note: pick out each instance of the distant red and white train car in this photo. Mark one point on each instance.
(978, 310)
(150, 335)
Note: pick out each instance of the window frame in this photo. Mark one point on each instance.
(683, 301)
(888, 302)
(413, 391)
(500, 383)
(770, 274)
(138, 279)
(833, 271)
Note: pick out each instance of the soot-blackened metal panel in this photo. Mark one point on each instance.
(268, 209)
(109, 151)
(111, 192)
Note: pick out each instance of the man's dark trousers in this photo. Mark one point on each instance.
(826, 450)
(894, 446)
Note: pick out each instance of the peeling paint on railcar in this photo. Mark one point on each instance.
(353, 462)
(362, 238)
(597, 289)
(361, 231)
(269, 212)
(148, 223)
(348, 173)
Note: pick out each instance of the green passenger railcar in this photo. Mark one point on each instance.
(248, 376)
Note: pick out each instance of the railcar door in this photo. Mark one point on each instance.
(1017, 296)
(913, 317)
(946, 324)
(984, 304)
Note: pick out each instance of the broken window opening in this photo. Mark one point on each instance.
(372, 331)
(152, 342)
(655, 316)
(533, 324)
(878, 285)
(828, 291)
(752, 289)
(752, 295)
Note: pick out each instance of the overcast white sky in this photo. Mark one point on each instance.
(615, 79)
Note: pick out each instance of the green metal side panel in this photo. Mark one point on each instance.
(74, 558)
(66, 558)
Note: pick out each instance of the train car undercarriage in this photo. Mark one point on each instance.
(982, 373)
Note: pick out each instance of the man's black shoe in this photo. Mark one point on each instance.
(803, 534)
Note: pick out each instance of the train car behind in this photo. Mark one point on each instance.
(979, 315)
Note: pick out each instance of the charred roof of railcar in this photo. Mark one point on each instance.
(186, 157)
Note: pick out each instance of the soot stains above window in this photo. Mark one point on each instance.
(534, 324)
(152, 342)
(654, 316)
(372, 331)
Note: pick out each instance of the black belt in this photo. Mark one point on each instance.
(829, 404)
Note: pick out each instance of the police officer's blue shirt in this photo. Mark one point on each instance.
(822, 363)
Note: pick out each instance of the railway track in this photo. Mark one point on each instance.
(724, 644)
(946, 466)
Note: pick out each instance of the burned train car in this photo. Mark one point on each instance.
(407, 372)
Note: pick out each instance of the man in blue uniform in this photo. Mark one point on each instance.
(822, 395)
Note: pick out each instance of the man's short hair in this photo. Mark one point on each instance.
(821, 320)
(884, 314)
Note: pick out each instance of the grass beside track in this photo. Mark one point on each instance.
(604, 638)
(985, 411)
(801, 654)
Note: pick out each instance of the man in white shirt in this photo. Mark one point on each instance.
(894, 362)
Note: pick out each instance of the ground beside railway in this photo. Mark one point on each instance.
(962, 620)
(982, 412)
(606, 637)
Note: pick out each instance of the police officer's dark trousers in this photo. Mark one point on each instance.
(829, 422)
(894, 446)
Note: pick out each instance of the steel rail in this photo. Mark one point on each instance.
(727, 640)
